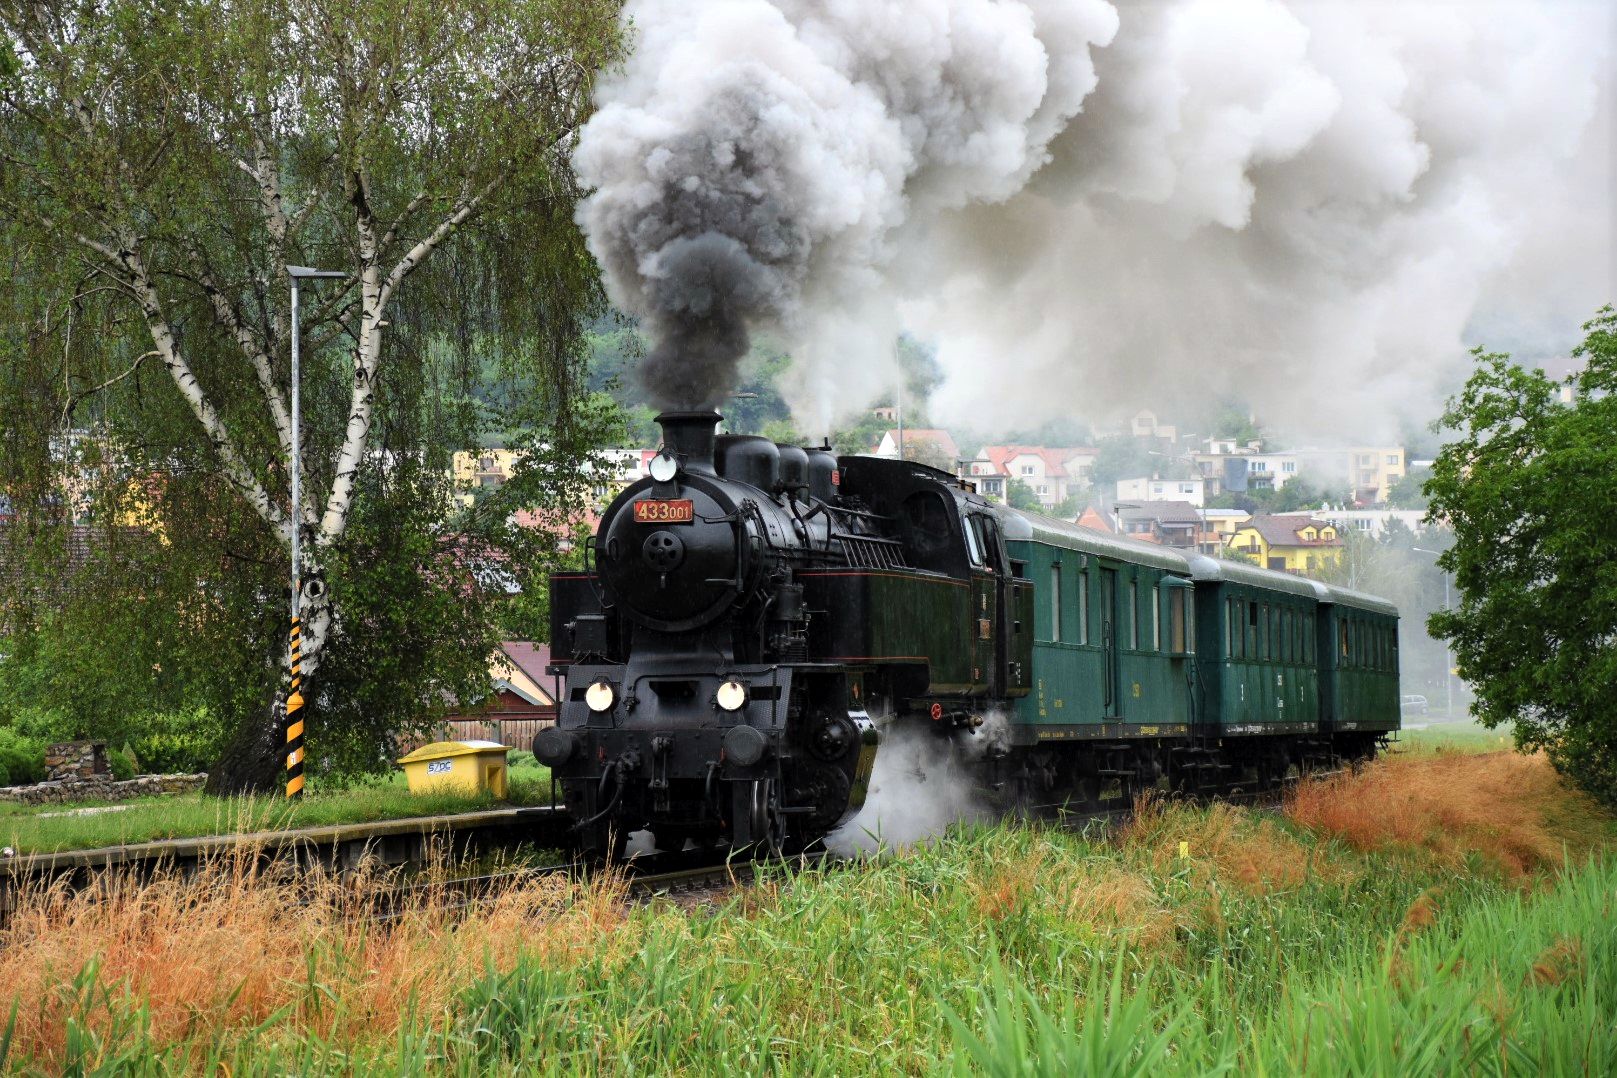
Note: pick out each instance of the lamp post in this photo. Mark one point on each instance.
(1448, 652)
(294, 699)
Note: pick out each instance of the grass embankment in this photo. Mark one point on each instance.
(48, 828)
(1393, 922)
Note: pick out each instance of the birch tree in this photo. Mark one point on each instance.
(169, 158)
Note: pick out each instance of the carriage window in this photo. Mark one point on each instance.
(1252, 646)
(1156, 617)
(1342, 639)
(1055, 602)
(1083, 607)
(1178, 631)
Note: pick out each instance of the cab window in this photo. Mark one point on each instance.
(974, 543)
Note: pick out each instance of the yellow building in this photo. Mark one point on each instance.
(1290, 544)
(1374, 469)
(483, 468)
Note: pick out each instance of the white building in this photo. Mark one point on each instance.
(1053, 475)
(1373, 522)
(1193, 491)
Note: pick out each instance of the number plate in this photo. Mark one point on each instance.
(664, 511)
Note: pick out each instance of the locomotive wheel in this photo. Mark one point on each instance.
(762, 818)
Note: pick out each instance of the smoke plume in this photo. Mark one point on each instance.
(1090, 208)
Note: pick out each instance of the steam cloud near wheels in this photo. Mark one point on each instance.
(1089, 207)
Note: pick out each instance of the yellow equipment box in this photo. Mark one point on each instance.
(472, 767)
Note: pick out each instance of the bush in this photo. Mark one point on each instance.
(175, 742)
(21, 757)
(123, 768)
(134, 760)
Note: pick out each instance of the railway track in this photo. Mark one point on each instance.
(686, 877)
(679, 876)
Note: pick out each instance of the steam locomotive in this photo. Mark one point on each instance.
(754, 616)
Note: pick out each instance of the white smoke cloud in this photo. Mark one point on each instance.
(1087, 209)
(921, 786)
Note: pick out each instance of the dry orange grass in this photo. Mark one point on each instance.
(229, 949)
(1512, 809)
(1223, 842)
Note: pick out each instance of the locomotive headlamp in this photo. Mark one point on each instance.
(731, 695)
(599, 695)
(663, 467)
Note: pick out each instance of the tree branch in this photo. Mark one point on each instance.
(236, 470)
(250, 346)
(75, 399)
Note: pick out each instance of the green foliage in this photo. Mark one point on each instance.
(1018, 495)
(1121, 457)
(21, 757)
(1528, 484)
(177, 742)
(1235, 422)
(121, 766)
(1298, 494)
(1408, 492)
(163, 163)
(862, 436)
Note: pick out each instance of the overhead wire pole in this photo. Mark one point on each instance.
(294, 699)
(1448, 649)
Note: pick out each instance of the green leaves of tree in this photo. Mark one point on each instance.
(1528, 487)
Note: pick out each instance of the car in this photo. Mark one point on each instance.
(1412, 705)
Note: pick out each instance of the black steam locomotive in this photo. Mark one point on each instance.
(755, 614)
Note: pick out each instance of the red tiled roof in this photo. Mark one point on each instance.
(1095, 520)
(1055, 459)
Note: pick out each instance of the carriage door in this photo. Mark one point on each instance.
(1108, 638)
(1008, 625)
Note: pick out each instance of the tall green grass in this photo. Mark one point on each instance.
(1005, 950)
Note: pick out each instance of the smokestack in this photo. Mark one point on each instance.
(690, 437)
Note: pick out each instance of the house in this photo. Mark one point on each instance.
(1144, 424)
(1369, 471)
(1096, 521)
(926, 445)
(1171, 523)
(1223, 522)
(1192, 490)
(478, 472)
(1373, 522)
(1053, 474)
(1293, 544)
(522, 704)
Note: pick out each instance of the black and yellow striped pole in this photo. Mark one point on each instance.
(294, 716)
(294, 698)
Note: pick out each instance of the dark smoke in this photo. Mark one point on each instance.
(711, 253)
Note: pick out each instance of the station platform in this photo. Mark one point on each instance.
(340, 847)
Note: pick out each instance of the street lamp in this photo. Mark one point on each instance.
(294, 699)
(1448, 651)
